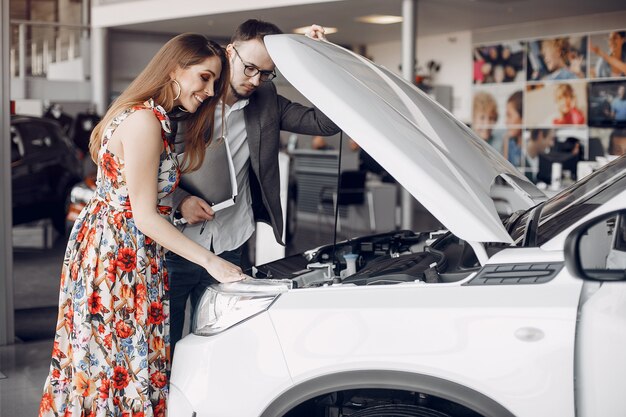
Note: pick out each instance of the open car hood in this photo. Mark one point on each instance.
(424, 147)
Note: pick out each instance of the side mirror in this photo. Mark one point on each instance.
(596, 250)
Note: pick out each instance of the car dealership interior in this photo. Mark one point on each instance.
(462, 125)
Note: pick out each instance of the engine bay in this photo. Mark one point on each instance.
(381, 259)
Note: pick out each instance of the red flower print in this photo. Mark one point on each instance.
(111, 270)
(81, 235)
(155, 313)
(165, 210)
(158, 379)
(68, 412)
(159, 409)
(157, 343)
(95, 303)
(140, 292)
(104, 388)
(69, 319)
(56, 373)
(56, 352)
(117, 219)
(109, 166)
(123, 329)
(126, 292)
(138, 414)
(127, 259)
(108, 340)
(46, 403)
(91, 236)
(153, 266)
(120, 377)
(74, 271)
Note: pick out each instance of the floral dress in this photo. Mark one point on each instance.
(111, 348)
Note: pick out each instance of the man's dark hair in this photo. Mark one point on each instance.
(535, 133)
(517, 100)
(254, 29)
(616, 133)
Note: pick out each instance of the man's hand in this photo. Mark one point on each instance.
(316, 32)
(196, 210)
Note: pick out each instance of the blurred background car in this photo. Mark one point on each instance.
(45, 165)
(79, 197)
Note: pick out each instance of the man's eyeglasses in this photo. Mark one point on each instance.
(250, 70)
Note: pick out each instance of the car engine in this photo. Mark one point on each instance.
(387, 258)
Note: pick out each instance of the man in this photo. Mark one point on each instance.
(617, 142)
(253, 118)
(540, 140)
(618, 105)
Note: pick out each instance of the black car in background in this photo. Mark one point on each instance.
(45, 166)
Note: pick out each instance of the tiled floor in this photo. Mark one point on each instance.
(26, 367)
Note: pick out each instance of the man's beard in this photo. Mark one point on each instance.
(237, 94)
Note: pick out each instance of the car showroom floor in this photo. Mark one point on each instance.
(24, 365)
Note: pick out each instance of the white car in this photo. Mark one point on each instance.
(483, 320)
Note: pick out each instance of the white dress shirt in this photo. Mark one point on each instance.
(234, 225)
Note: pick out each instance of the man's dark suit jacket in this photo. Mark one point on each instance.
(266, 115)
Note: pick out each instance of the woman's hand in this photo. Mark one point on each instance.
(224, 271)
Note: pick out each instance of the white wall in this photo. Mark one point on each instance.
(453, 51)
(43, 89)
(129, 53)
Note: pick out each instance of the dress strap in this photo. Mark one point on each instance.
(158, 111)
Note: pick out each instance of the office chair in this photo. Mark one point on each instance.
(352, 192)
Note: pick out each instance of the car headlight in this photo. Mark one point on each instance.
(81, 194)
(225, 305)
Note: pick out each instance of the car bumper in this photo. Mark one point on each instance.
(207, 379)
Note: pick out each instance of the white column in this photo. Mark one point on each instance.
(85, 9)
(409, 24)
(99, 68)
(21, 50)
(7, 331)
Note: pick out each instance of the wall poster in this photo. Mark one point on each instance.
(553, 99)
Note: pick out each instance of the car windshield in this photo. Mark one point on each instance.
(570, 205)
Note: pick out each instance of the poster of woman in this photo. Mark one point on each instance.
(608, 54)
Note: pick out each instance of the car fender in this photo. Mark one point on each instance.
(385, 379)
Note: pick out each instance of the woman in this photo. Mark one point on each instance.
(111, 348)
(612, 64)
(514, 119)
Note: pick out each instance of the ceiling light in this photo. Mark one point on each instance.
(379, 19)
(304, 29)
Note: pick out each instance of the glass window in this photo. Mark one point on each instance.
(37, 136)
(569, 206)
(17, 147)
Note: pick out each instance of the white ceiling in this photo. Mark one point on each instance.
(434, 17)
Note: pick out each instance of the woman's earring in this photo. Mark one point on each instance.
(179, 89)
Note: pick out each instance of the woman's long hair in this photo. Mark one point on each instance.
(154, 82)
